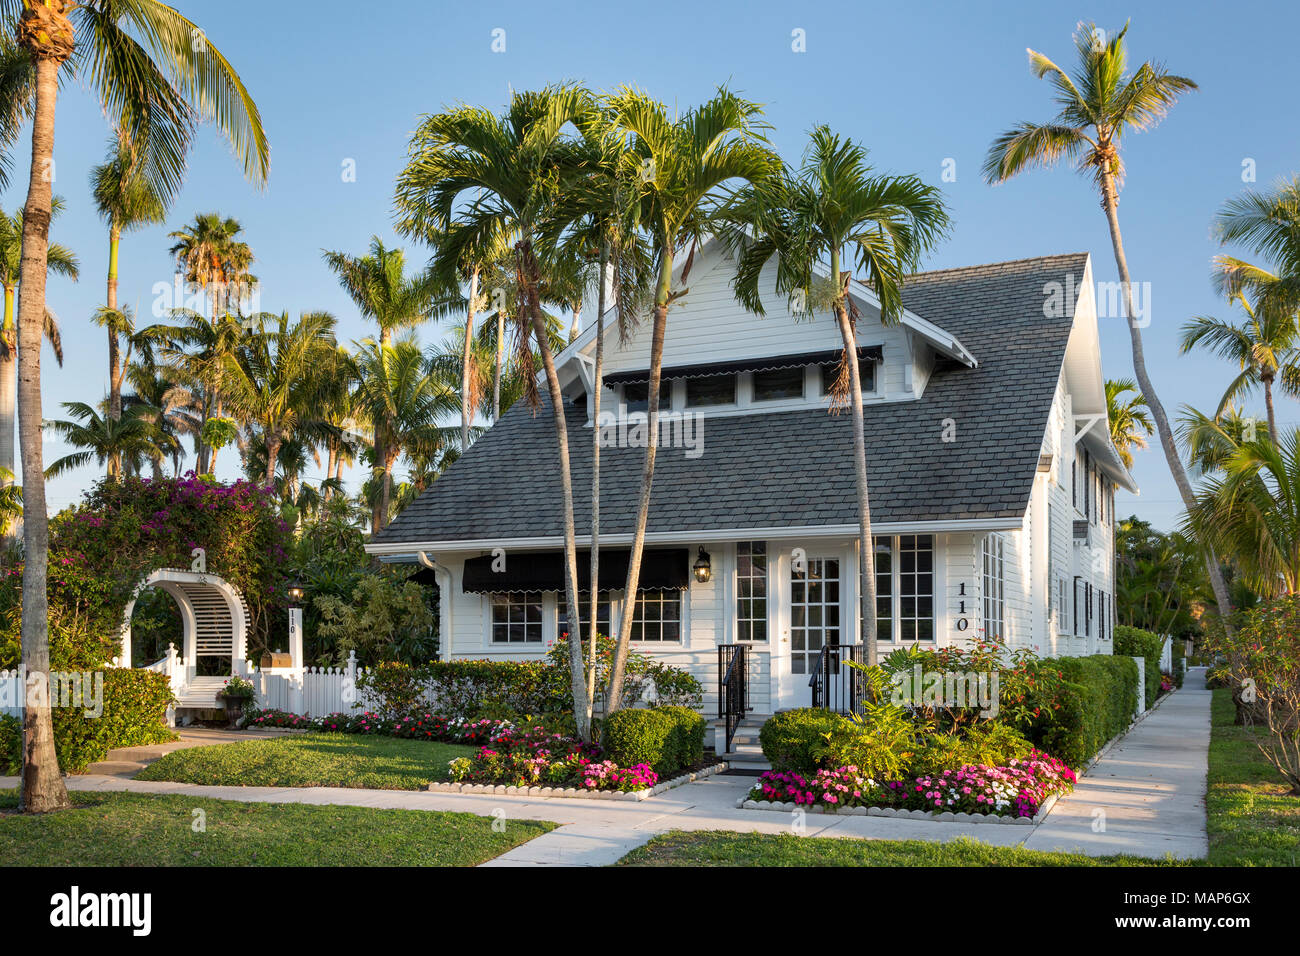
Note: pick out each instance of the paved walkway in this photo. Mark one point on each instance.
(1151, 787)
(1146, 796)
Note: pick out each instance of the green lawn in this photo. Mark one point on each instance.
(136, 829)
(1251, 820)
(311, 760)
(680, 848)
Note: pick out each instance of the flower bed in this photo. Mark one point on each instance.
(1019, 790)
(509, 755)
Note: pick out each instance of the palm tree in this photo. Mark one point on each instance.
(1130, 425)
(403, 400)
(212, 256)
(110, 441)
(684, 167)
(1251, 513)
(377, 282)
(270, 378)
(1263, 346)
(61, 260)
(170, 406)
(515, 165)
(1269, 223)
(154, 72)
(835, 208)
(1098, 105)
(126, 200)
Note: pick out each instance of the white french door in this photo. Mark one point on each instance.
(815, 622)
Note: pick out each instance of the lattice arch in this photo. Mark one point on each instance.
(213, 614)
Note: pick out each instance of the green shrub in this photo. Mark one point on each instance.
(795, 740)
(880, 742)
(1098, 703)
(135, 710)
(1179, 649)
(988, 742)
(392, 689)
(11, 745)
(1217, 678)
(667, 738)
(674, 687)
(497, 689)
(1135, 642)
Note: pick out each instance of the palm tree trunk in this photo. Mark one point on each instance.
(595, 474)
(496, 372)
(42, 787)
(866, 552)
(613, 695)
(1110, 203)
(8, 387)
(272, 452)
(1268, 404)
(114, 358)
(577, 675)
(466, 358)
(332, 446)
(379, 514)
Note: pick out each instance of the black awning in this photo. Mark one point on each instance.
(872, 353)
(661, 568)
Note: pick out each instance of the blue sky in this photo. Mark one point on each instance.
(920, 84)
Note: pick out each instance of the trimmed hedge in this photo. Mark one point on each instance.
(134, 714)
(496, 689)
(669, 739)
(1135, 642)
(1098, 704)
(793, 739)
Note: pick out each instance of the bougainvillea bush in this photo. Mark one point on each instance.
(101, 549)
(1018, 789)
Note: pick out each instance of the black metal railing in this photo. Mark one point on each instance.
(835, 685)
(733, 686)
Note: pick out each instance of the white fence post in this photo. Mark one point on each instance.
(1142, 687)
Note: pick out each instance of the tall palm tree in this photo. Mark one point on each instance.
(61, 260)
(1263, 346)
(514, 165)
(126, 200)
(170, 406)
(213, 257)
(1099, 104)
(1251, 513)
(384, 293)
(836, 208)
(404, 400)
(111, 441)
(686, 167)
(270, 378)
(153, 80)
(1130, 425)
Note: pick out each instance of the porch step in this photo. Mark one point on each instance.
(202, 692)
(746, 757)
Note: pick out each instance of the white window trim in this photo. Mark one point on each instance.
(549, 632)
(896, 598)
(993, 548)
(734, 597)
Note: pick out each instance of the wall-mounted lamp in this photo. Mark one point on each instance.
(702, 568)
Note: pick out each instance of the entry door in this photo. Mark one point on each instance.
(814, 623)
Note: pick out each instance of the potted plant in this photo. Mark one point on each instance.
(236, 692)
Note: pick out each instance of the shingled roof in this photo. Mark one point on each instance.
(794, 469)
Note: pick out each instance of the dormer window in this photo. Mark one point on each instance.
(866, 375)
(778, 383)
(708, 390)
(636, 395)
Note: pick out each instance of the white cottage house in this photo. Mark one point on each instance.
(991, 472)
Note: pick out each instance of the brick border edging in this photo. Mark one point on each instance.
(946, 816)
(574, 792)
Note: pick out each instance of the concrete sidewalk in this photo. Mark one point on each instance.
(1146, 796)
(1150, 787)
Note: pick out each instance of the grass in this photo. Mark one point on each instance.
(311, 760)
(130, 829)
(679, 848)
(1252, 822)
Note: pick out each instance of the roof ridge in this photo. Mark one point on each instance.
(994, 265)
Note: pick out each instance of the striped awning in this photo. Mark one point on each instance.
(872, 353)
(661, 569)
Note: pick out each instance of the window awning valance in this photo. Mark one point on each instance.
(872, 353)
(661, 568)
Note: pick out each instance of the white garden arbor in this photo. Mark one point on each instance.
(215, 624)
